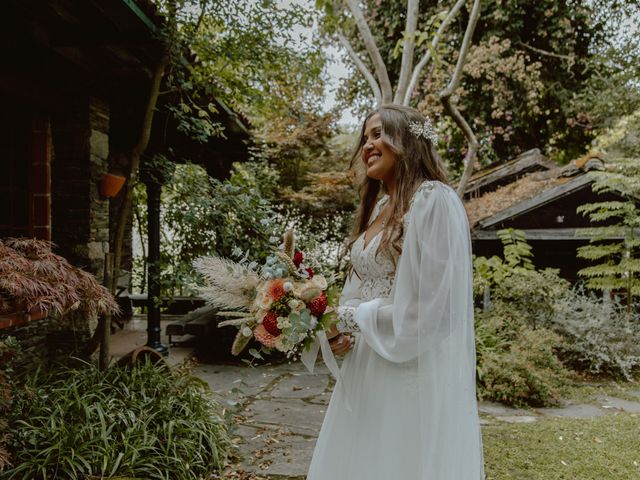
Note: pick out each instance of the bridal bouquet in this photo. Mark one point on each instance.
(282, 304)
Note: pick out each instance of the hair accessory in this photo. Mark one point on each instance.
(424, 130)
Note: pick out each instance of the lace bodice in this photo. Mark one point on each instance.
(375, 271)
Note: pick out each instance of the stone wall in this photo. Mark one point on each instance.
(80, 216)
(32, 337)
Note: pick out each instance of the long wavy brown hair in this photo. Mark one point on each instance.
(416, 161)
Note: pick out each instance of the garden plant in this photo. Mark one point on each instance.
(145, 421)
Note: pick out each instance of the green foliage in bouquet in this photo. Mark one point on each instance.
(142, 422)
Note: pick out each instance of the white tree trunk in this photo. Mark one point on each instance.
(406, 100)
(366, 73)
(372, 49)
(452, 109)
(408, 46)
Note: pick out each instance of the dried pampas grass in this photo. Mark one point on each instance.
(229, 284)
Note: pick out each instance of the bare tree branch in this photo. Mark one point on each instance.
(569, 58)
(408, 46)
(452, 109)
(427, 56)
(372, 49)
(362, 67)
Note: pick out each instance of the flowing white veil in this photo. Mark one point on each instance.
(428, 321)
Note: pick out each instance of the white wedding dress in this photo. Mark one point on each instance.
(405, 408)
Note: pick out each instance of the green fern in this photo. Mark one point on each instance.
(617, 246)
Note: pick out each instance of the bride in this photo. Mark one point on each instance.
(405, 408)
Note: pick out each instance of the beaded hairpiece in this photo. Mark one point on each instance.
(424, 130)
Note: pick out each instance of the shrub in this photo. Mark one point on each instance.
(532, 294)
(516, 364)
(602, 338)
(145, 422)
(8, 349)
(32, 277)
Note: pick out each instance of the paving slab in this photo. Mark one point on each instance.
(300, 386)
(295, 414)
(499, 410)
(572, 411)
(635, 393)
(236, 381)
(517, 418)
(278, 452)
(618, 404)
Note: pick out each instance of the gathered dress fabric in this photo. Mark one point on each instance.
(406, 406)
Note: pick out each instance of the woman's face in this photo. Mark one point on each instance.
(378, 159)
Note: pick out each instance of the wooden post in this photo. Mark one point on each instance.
(154, 298)
(105, 322)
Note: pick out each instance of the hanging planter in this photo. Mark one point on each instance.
(111, 184)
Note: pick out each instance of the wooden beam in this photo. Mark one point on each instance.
(539, 200)
(542, 234)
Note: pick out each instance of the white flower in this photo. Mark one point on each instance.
(247, 332)
(293, 303)
(283, 322)
(314, 322)
(288, 286)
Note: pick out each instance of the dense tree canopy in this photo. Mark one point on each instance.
(532, 71)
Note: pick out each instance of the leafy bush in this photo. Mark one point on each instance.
(490, 272)
(535, 324)
(516, 364)
(602, 338)
(8, 349)
(532, 294)
(33, 278)
(145, 422)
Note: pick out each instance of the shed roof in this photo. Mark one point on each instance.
(530, 191)
(503, 173)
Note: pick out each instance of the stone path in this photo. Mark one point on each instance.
(279, 410)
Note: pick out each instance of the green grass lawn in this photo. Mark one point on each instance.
(603, 448)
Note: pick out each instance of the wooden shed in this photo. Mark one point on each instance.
(541, 201)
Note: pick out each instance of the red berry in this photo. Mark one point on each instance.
(310, 272)
(270, 323)
(318, 305)
(297, 258)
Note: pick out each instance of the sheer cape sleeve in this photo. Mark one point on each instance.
(428, 323)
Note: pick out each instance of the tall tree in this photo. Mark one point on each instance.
(533, 72)
(349, 16)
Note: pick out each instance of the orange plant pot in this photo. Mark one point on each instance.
(111, 184)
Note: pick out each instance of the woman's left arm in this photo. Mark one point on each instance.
(433, 286)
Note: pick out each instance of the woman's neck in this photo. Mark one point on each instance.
(389, 187)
